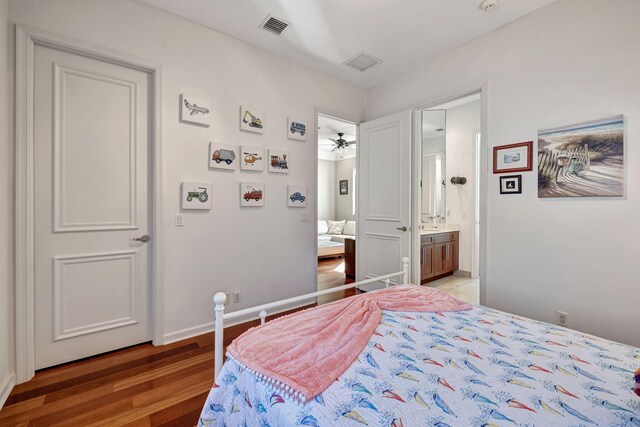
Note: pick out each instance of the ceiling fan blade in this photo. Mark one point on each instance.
(351, 142)
(331, 139)
(334, 149)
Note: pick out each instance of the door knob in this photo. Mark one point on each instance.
(403, 228)
(143, 239)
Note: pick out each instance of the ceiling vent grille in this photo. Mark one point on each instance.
(274, 25)
(362, 62)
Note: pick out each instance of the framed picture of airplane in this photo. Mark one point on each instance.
(195, 110)
(251, 119)
(251, 159)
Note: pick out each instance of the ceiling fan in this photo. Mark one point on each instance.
(341, 144)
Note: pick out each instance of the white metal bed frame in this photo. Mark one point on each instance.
(220, 298)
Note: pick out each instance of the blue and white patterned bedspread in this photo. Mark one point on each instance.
(473, 368)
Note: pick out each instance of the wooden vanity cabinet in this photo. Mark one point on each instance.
(438, 255)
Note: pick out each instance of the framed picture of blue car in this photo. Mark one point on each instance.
(297, 196)
(296, 129)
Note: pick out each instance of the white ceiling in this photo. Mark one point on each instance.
(326, 33)
(328, 127)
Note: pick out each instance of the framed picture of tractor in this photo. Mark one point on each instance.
(196, 195)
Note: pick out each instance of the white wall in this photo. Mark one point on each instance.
(266, 253)
(6, 213)
(462, 124)
(570, 61)
(344, 203)
(326, 189)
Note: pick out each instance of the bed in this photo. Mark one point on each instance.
(479, 367)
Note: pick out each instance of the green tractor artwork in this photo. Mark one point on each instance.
(202, 195)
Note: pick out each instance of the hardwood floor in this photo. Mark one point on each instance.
(138, 386)
(330, 275)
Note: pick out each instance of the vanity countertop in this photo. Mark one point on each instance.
(437, 230)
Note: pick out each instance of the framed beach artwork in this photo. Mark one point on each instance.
(223, 156)
(251, 119)
(195, 109)
(511, 184)
(297, 196)
(251, 194)
(296, 129)
(582, 160)
(196, 195)
(251, 159)
(513, 157)
(344, 187)
(279, 161)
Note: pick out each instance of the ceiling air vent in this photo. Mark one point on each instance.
(362, 62)
(274, 25)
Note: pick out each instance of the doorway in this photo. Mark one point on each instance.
(336, 203)
(448, 236)
(85, 174)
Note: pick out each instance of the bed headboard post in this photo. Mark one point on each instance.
(405, 270)
(219, 300)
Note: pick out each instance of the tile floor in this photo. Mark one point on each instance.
(463, 288)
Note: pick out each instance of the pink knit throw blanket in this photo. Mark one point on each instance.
(305, 352)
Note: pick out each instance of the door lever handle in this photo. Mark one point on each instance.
(403, 228)
(143, 239)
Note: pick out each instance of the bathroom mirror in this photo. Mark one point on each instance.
(433, 166)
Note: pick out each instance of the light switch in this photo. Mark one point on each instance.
(179, 222)
(304, 218)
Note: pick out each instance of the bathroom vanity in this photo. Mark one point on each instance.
(438, 254)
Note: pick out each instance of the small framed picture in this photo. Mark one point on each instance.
(251, 194)
(511, 184)
(195, 109)
(223, 156)
(196, 195)
(251, 158)
(344, 187)
(251, 119)
(513, 157)
(296, 196)
(279, 161)
(296, 129)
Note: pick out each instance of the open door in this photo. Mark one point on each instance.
(384, 202)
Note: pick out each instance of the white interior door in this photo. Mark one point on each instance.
(384, 204)
(91, 200)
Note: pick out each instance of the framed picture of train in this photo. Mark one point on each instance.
(278, 161)
(296, 129)
(196, 195)
(223, 156)
(251, 159)
(251, 119)
(251, 194)
(195, 109)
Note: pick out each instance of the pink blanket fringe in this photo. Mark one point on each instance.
(303, 353)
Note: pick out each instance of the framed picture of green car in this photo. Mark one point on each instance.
(513, 157)
(196, 195)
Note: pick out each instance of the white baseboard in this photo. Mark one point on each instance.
(206, 328)
(5, 388)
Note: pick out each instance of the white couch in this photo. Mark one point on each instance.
(331, 243)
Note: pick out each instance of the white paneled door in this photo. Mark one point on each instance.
(384, 205)
(91, 202)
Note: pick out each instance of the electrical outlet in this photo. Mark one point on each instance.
(236, 297)
(228, 300)
(562, 318)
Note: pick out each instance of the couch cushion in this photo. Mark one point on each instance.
(350, 228)
(322, 226)
(336, 227)
(323, 238)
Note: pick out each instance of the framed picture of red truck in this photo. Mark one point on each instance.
(223, 156)
(251, 194)
(278, 161)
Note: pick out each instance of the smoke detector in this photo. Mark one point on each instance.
(274, 25)
(489, 5)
